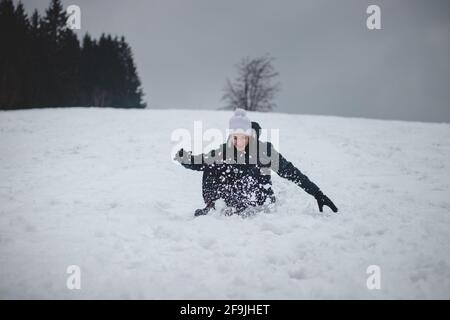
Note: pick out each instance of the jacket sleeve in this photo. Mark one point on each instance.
(197, 162)
(192, 162)
(288, 171)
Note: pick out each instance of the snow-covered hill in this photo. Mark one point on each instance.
(97, 188)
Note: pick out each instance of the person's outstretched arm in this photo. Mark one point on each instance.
(198, 162)
(288, 171)
(190, 161)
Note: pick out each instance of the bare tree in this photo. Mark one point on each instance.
(253, 89)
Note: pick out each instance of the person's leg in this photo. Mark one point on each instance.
(238, 196)
(248, 193)
(235, 200)
(210, 190)
(265, 197)
(210, 185)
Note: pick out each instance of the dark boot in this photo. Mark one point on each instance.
(205, 210)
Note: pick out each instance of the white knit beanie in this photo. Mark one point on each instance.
(239, 123)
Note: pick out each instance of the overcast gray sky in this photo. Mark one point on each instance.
(329, 62)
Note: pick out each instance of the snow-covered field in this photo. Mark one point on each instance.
(97, 188)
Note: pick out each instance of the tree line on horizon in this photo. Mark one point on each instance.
(43, 63)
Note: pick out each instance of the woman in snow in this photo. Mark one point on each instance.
(239, 171)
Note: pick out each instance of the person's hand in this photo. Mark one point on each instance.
(180, 155)
(323, 200)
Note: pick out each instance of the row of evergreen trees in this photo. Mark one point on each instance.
(43, 64)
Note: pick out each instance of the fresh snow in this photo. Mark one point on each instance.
(97, 188)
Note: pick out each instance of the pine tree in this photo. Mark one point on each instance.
(54, 25)
(87, 71)
(14, 36)
(55, 21)
(22, 56)
(38, 74)
(42, 63)
(7, 52)
(132, 88)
